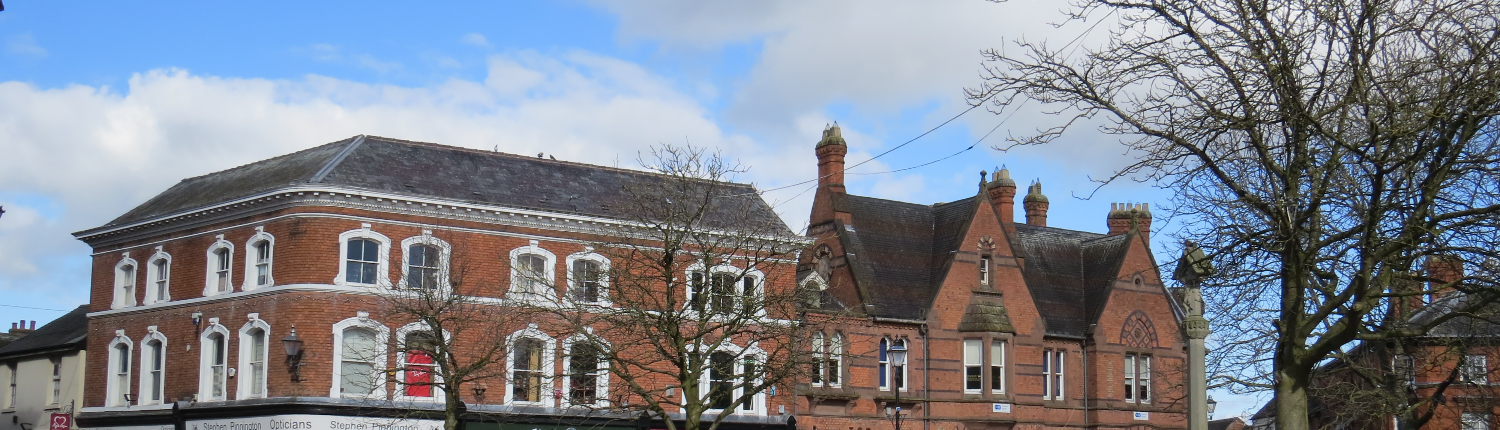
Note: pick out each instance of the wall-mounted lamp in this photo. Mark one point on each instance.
(129, 398)
(197, 322)
(293, 354)
(479, 390)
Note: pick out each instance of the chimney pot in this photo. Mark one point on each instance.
(1002, 194)
(33, 325)
(1036, 205)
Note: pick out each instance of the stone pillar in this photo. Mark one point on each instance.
(1191, 269)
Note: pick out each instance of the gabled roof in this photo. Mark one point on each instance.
(69, 332)
(901, 252)
(419, 169)
(1065, 268)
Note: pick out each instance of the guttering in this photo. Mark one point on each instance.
(898, 321)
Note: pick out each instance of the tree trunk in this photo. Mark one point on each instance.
(1291, 400)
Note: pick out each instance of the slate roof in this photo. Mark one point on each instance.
(1225, 424)
(1065, 268)
(422, 169)
(903, 250)
(67, 332)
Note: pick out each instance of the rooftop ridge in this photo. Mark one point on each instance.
(531, 158)
(263, 160)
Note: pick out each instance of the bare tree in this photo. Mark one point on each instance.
(458, 340)
(692, 307)
(1319, 150)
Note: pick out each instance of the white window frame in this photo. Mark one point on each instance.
(445, 251)
(973, 359)
(211, 268)
(998, 378)
(549, 366)
(738, 355)
(883, 369)
(549, 271)
(205, 363)
(54, 394)
(157, 282)
(437, 377)
(986, 267)
(588, 254)
(383, 266)
(833, 366)
(116, 389)
(819, 351)
(1138, 375)
(246, 383)
(252, 275)
(740, 274)
(1054, 380)
(1476, 369)
(601, 385)
(124, 291)
(382, 338)
(146, 363)
(1474, 421)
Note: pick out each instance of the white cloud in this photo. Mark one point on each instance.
(475, 39)
(25, 45)
(95, 152)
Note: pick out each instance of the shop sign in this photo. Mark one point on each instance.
(314, 422)
(62, 422)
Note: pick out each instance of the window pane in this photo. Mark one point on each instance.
(721, 387)
(997, 367)
(973, 360)
(368, 272)
(357, 378)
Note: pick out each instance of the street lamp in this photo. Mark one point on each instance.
(897, 353)
(1210, 408)
(293, 347)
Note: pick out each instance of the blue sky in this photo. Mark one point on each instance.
(108, 103)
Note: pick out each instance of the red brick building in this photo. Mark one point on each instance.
(194, 290)
(1008, 324)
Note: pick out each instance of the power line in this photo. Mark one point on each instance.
(29, 307)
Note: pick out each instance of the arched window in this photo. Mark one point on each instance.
(724, 290)
(532, 273)
(359, 348)
(587, 378)
(158, 273)
(586, 275)
(419, 367)
(261, 247)
(527, 372)
(358, 362)
(530, 365)
(117, 383)
(588, 279)
(254, 352)
(153, 368)
(891, 374)
(213, 374)
(220, 268)
(835, 359)
(363, 256)
(124, 283)
(730, 371)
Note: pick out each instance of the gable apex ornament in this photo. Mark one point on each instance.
(986, 244)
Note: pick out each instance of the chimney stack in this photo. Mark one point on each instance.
(828, 203)
(1036, 205)
(1002, 193)
(831, 152)
(20, 328)
(1123, 215)
(1442, 270)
